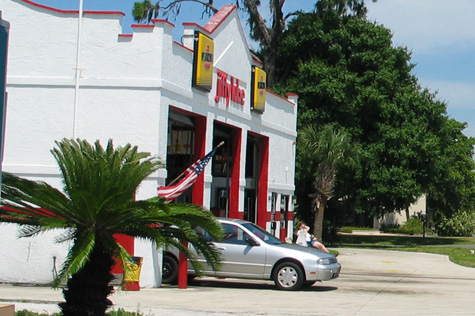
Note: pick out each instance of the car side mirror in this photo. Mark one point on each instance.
(251, 242)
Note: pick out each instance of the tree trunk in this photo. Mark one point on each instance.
(87, 291)
(269, 67)
(318, 222)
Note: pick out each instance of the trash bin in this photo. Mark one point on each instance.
(132, 275)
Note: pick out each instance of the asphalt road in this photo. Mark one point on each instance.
(372, 282)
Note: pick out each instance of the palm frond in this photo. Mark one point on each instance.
(99, 186)
(29, 231)
(66, 235)
(77, 256)
(27, 202)
(176, 223)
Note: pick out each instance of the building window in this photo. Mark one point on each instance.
(180, 149)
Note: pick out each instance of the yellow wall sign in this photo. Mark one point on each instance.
(259, 78)
(203, 62)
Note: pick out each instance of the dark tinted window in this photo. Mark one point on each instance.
(234, 235)
(267, 237)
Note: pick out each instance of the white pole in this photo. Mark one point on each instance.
(78, 68)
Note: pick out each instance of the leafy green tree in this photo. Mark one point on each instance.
(347, 73)
(453, 189)
(98, 201)
(329, 149)
(266, 33)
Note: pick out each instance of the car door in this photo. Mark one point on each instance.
(240, 258)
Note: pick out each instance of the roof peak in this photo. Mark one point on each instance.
(219, 17)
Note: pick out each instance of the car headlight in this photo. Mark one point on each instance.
(324, 261)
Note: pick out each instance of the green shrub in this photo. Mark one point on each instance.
(412, 227)
(25, 312)
(390, 228)
(122, 312)
(350, 229)
(460, 224)
(346, 229)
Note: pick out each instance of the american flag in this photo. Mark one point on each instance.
(171, 192)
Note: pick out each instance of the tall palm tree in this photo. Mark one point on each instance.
(329, 149)
(98, 201)
(144, 12)
(343, 7)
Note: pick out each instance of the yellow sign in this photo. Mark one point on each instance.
(259, 78)
(203, 62)
(132, 272)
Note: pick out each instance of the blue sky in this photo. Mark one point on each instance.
(441, 36)
(439, 33)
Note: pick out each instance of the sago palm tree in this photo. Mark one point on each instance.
(329, 149)
(98, 201)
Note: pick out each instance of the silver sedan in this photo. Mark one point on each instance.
(250, 252)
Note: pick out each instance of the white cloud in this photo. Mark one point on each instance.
(460, 98)
(459, 95)
(441, 35)
(427, 25)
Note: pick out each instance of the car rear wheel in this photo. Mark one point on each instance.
(288, 276)
(169, 270)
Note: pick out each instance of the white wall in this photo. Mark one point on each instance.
(126, 87)
(399, 218)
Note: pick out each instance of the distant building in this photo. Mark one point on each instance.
(400, 218)
(175, 100)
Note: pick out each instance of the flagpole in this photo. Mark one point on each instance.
(181, 174)
(78, 70)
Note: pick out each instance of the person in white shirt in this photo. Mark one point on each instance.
(304, 238)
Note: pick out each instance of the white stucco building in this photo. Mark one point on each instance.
(174, 100)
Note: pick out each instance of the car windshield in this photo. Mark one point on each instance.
(262, 234)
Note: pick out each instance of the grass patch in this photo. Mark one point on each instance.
(399, 241)
(350, 229)
(457, 255)
(450, 246)
(25, 312)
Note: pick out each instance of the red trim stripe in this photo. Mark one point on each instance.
(32, 212)
(219, 17)
(144, 26)
(73, 11)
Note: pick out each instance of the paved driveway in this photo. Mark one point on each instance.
(373, 282)
(402, 283)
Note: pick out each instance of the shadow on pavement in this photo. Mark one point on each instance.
(252, 285)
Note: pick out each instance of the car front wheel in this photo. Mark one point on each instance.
(288, 276)
(169, 270)
(309, 283)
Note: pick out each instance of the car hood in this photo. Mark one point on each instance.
(305, 250)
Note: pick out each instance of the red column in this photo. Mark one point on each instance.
(196, 196)
(262, 216)
(200, 140)
(283, 232)
(128, 243)
(182, 269)
(236, 163)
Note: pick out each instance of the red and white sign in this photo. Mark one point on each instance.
(228, 90)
